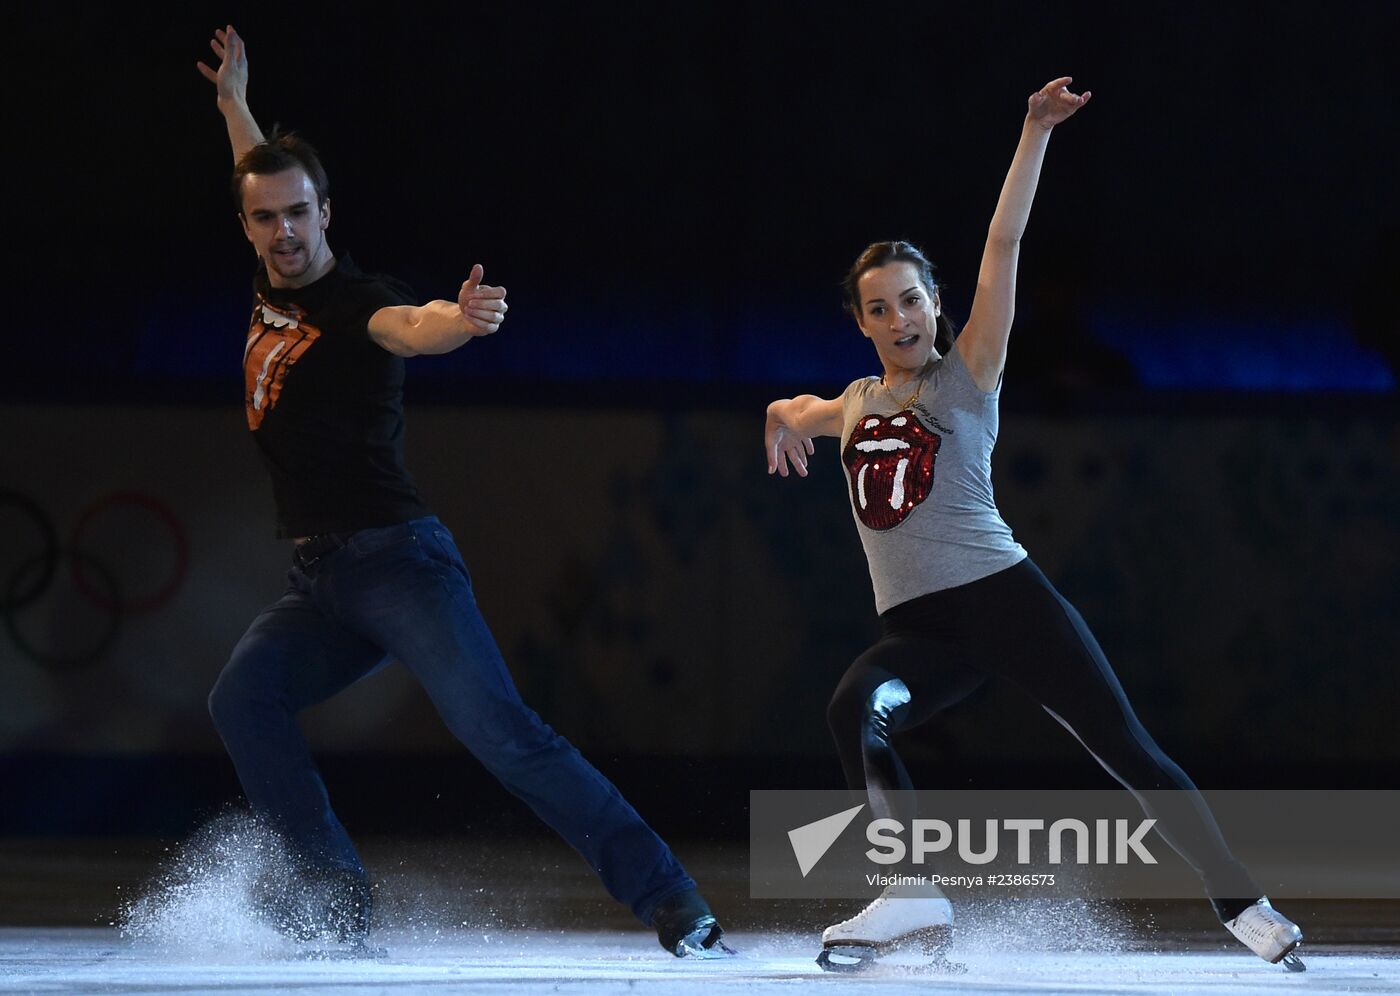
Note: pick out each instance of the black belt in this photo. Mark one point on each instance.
(306, 554)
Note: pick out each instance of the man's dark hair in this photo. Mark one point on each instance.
(281, 151)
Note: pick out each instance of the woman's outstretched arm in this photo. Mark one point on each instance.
(791, 424)
(983, 340)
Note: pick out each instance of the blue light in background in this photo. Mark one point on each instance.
(1211, 352)
(814, 351)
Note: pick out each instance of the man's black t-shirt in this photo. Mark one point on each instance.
(325, 403)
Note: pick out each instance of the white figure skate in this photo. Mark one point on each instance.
(902, 917)
(1269, 934)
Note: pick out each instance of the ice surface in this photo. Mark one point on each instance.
(195, 928)
(518, 961)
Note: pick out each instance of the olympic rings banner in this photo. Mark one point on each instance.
(113, 590)
(656, 592)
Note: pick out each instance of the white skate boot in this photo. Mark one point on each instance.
(902, 916)
(1269, 934)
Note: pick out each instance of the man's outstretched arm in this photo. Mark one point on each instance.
(441, 326)
(231, 81)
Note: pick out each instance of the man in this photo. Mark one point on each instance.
(375, 575)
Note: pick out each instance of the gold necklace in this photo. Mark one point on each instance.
(918, 389)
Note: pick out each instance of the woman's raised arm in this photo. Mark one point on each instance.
(983, 340)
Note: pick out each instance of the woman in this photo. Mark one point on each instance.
(960, 601)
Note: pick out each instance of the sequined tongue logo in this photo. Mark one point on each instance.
(890, 460)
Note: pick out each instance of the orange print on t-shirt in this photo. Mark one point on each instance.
(277, 338)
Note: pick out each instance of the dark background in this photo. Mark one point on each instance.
(671, 193)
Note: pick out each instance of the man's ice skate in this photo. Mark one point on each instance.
(686, 927)
(902, 917)
(326, 910)
(351, 951)
(1269, 934)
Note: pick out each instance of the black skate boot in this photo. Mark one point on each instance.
(345, 901)
(325, 906)
(686, 927)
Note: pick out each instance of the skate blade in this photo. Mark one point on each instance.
(715, 951)
(846, 958)
(931, 941)
(357, 952)
(692, 945)
(1292, 962)
(864, 957)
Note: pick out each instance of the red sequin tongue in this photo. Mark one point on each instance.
(890, 461)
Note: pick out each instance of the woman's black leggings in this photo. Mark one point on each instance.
(939, 648)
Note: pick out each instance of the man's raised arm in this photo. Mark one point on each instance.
(231, 81)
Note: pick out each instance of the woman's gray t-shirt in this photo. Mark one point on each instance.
(921, 483)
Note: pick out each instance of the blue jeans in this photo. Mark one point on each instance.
(402, 592)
